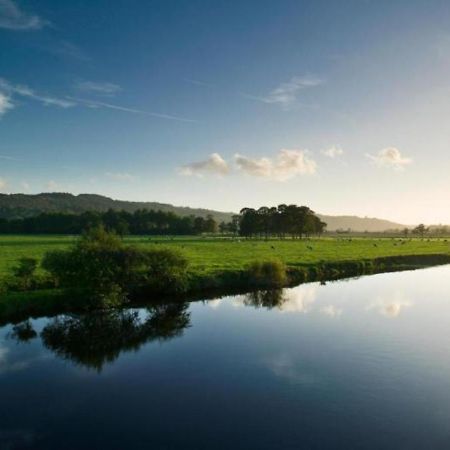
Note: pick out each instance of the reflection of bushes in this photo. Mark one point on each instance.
(98, 338)
(106, 271)
(23, 332)
(267, 273)
(265, 299)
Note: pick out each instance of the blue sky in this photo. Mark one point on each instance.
(342, 106)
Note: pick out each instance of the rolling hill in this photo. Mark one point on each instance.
(15, 206)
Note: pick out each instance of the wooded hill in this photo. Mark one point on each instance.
(17, 206)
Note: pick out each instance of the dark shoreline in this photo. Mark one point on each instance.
(18, 306)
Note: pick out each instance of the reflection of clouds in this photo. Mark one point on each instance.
(283, 366)
(3, 356)
(390, 307)
(12, 366)
(331, 310)
(299, 299)
(214, 303)
(238, 302)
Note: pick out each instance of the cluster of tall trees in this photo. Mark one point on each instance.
(282, 221)
(141, 222)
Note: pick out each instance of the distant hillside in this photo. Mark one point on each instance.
(15, 206)
(359, 224)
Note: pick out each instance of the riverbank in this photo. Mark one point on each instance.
(18, 306)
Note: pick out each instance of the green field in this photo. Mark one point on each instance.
(212, 255)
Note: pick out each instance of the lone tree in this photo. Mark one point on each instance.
(420, 230)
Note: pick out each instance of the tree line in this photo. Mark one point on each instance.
(141, 222)
(281, 221)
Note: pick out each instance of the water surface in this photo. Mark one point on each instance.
(352, 364)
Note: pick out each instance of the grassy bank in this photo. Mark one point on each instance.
(212, 256)
(224, 266)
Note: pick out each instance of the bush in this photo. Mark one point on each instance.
(165, 271)
(267, 274)
(24, 274)
(104, 269)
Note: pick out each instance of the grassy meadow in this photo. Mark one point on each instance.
(208, 256)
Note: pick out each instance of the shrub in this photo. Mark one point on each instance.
(267, 273)
(165, 271)
(24, 274)
(104, 269)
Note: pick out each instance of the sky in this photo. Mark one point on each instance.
(341, 106)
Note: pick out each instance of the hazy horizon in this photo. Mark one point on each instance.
(216, 105)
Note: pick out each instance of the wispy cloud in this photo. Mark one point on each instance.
(214, 164)
(65, 49)
(5, 104)
(103, 88)
(287, 93)
(25, 91)
(9, 90)
(390, 157)
(3, 184)
(96, 104)
(333, 152)
(197, 82)
(9, 158)
(287, 164)
(51, 185)
(120, 176)
(13, 18)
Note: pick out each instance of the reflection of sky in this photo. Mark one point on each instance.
(284, 366)
(328, 355)
(15, 356)
(391, 306)
(299, 299)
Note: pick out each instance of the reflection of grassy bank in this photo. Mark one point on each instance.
(15, 307)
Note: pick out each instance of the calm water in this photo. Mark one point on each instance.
(354, 364)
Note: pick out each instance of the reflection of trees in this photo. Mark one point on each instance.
(265, 299)
(23, 332)
(95, 339)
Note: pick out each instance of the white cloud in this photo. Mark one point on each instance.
(104, 88)
(286, 93)
(5, 104)
(214, 164)
(390, 157)
(120, 176)
(25, 186)
(51, 185)
(3, 184)
(12, 18)
(331, 310)
(287, 164)
(333, 152)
